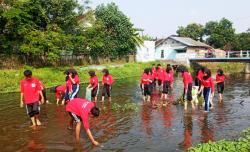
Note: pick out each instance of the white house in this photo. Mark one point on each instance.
(146, 52)
(180, 49)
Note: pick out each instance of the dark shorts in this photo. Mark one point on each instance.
(166, 87)
(146, 89)
(189, 93)
(94, 92)
(75, 117)
(106, 90)
(33, 109)
(220, 87)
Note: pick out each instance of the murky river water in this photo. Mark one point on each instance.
(163, 129)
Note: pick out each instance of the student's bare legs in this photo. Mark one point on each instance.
(33, 120)
(38, 122)
(185, 105)
(57, 101)
(148, 98)
(103, 98)
(78, 130)
(63, 102)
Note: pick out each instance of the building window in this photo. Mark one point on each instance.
(162, 53)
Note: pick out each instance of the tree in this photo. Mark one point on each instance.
(194, 31)
(242, 41)
(121, 37)
(220, 34)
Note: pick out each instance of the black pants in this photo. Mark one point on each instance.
(106, 90)
(220, 87)
(146, 89)
(189, 92)
(33, 109)
(166, 87)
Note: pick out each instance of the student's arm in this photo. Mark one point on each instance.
(42, 98)
(71, 79)
(92, 138)
(21, 100)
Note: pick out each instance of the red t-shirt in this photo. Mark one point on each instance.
(144, 78)
(69, 85)
(200, 75)
(187, 78)
(168, 77)
(81, 108)
(107, 79)
(76, 79)
(154, 73)
(41, 84)
(209, 83)
(220, 79)
(160, 74)
(60, 90)
(30, 89)
(94, 81)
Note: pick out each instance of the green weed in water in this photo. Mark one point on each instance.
(240, 145)
(128, 106)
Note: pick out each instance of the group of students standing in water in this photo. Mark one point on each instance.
(164, 78)
(33, 92)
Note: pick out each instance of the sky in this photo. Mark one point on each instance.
(161, 18)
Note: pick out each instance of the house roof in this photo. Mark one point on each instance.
(186, 41)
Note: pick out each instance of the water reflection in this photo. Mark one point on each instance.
(206, 128)
(188, 130)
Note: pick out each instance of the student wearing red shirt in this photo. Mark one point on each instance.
(154, 75)
(68, 85)
(160, 74)
(80, 110)
(146, 80)
(188, 83)
(207, 86)
(198, 77)
(59, 92)
(75, 82)
(30, 91)
(107, 81)
(172, 73)
(167, 81)
(220, 81)
(93, 83)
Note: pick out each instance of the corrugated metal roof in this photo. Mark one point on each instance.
(190, 42)
(186, 41)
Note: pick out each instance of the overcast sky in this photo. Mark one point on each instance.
(162, 17)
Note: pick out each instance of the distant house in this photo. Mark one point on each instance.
(180, 49)
(146, 52)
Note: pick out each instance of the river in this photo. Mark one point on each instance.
(163, 129)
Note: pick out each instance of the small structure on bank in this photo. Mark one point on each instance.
(146, 52)
(180, 49)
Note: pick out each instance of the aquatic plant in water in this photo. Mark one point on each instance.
(240, 145)
(128, 106)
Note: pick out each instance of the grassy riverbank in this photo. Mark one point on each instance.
(228, 67)
(240, 145)
(52, 76)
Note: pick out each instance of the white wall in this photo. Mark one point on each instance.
(146, 52)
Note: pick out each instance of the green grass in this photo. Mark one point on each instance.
(240, 145)
(228, 67)
(52, 76)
